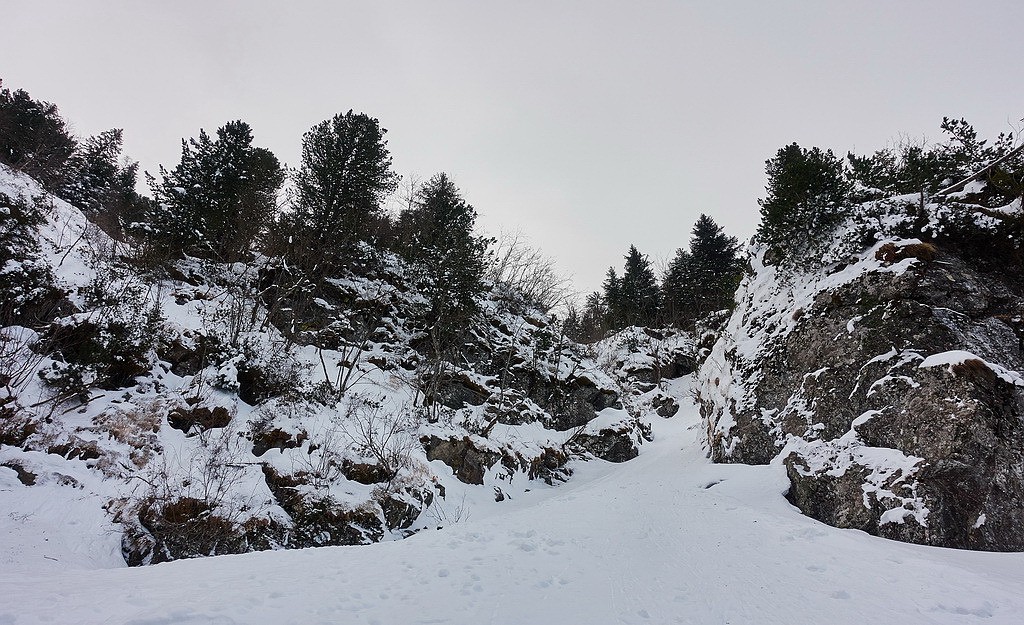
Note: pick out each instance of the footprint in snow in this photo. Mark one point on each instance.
(983, 611)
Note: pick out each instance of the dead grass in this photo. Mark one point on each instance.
(892, 253)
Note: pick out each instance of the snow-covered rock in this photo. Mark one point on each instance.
(885, 377)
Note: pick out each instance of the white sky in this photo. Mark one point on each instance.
(588, 125)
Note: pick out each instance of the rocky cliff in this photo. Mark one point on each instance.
(884, 376)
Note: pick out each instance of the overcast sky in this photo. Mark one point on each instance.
(588, 125)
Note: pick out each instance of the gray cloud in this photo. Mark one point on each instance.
(587, 125)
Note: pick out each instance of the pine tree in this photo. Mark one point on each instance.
(34, 137)
(612, 300)
(100, 184)
(917, 168)
(805, 191)
(594, 319)
(640, 289)
(677, 288)
(634, 299)
(703, 279)
(572, 325)
(341, 185)
(453, 257)
(218, 198)
(94, 170)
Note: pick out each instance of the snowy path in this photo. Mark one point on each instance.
(644, 542)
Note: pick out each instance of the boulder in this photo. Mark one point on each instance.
(469, 462)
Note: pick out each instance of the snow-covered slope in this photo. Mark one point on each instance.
(665, 538)
(180, 412)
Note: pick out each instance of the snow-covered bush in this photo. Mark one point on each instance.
(27, 292)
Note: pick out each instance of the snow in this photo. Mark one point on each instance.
(1013, 208)
(608, 418)
(952, 357)
(959, 356)
(665, 538)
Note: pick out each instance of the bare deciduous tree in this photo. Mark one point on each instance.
(526, 270)
(385, 436)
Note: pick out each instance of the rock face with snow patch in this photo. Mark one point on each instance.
(887, 385)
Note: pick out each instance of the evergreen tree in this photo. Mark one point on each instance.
(805, 191)
(715, 266)
(94, 170)
(878, 171)
(341, 184)
(99, 184)
(28, 295)
(917, 168)
(703, 279)
(594, 320)
(677, 288)
(572, 325)
(220, 196)
(452, 256)
(634, 299)
(612, 300)
(640, 293)
(34, 137)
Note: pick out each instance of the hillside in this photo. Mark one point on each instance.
(178, 411)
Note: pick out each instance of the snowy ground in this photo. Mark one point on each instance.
(665, 538)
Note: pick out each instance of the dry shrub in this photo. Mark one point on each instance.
(276, 438)
(526, 270)
(975, 370)
(76, 448)
(15, 426)
(892, 253)
(192, 509)
(550, 466)
(380, 434)
(135, 426)
(186, 528)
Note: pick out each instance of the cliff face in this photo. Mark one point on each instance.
(885, 379)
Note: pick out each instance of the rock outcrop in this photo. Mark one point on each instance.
(886, 381)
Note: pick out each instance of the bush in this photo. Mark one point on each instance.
(107, 347)
(386, 437)
(891, 253)
(193, 509)
(27, 294)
